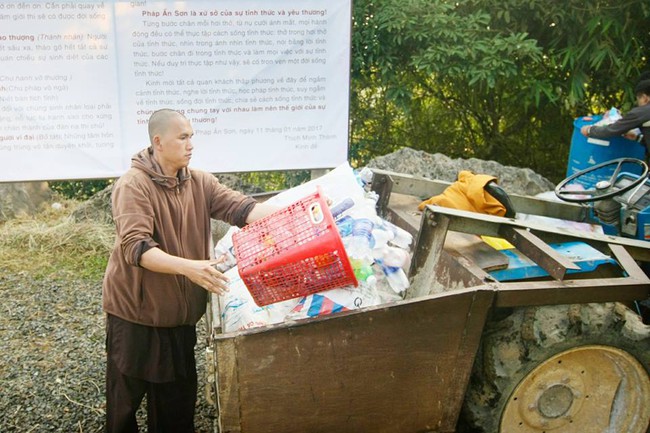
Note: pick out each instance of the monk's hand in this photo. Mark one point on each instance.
(205, 274)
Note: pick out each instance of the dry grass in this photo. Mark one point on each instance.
(52, 242)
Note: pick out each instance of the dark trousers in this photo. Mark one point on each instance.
(156, 362)
(170, 405)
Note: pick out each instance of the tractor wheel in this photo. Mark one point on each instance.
(560, 369)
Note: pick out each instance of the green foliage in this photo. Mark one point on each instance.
(80, 189)
(490, 79)
(275, 180)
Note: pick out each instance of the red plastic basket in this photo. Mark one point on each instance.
(295, 251)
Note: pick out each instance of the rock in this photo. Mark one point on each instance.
(22, 198)
(522, 181)
(97, 208)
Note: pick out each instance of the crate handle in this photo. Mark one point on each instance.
(316, 213)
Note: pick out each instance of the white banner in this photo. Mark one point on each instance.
(264, 83)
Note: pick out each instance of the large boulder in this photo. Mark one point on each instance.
(23, 198)
(521, 181)
(97, 208)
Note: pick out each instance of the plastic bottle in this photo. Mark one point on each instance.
(381, 237)
(393, 257)
(364, 272)
(401, 238)
(360, 241)
(396, 278)
(365, 207)
(344, 225)
(338, 209)
(365, 174)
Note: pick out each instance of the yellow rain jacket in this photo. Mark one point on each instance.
(468, 193)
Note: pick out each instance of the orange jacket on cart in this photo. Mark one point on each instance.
(468, 193)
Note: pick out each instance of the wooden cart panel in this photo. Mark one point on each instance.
(399, 368)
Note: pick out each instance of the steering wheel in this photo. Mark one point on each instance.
(604, 188)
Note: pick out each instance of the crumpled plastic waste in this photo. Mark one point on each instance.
(378, 250)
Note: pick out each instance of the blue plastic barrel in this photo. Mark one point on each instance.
(587, 152)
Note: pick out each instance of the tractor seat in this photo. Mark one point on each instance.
(501, 195)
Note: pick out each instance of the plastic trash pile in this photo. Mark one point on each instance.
(613, 115)
(377, 249)
(610, 116)
(379, 253)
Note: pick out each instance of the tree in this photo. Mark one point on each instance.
(450, 77)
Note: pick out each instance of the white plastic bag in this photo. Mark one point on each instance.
(239, 311)
(334, 301)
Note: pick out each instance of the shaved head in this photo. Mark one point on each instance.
(160, 120)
